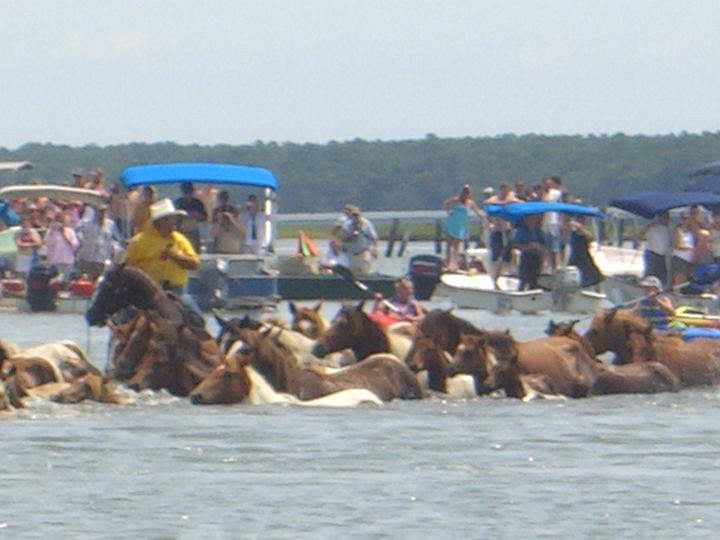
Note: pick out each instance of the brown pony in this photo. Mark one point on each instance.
(431, 365)
(633, 340)
(308, 320)
(353, 329)
(637, 378)
(445, 328)
(382, 374)
(153, 353)
(476, 357)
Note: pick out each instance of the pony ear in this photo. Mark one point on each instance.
(610, 315)
(507, 332)
(360, 306)
(317, 307)
(292, 307)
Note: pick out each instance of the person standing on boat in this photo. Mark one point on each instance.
(683, 253)
(194, 214)
(500, 231)
(579, 240)
(28, 241)
(530, 240)
(360, 242)
(458, 208)
(227, 232)
(161, 251)
(658, 246)
(61, 243)
(100, 241)
(654, 307)
(141, 212)
(254, 220)
(552, 224)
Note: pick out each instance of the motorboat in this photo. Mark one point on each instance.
(477, 291)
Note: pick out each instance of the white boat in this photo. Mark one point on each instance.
(476, 291)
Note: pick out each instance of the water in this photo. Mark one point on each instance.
(608, 467)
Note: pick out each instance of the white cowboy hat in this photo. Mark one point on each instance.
(651, 282)
(164, 208)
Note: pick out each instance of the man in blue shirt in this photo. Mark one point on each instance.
(529, 239)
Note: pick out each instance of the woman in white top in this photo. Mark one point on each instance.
(683, 254)
(658, 246)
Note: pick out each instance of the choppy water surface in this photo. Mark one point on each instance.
(609, 467)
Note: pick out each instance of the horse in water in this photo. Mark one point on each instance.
(308, 320)
(353, 329)
(431, 365)
(636, 378)
(476, 357)
(122, 286)
(59, 370)
(254, 353)
(160, 347)
(568, 366)
(633, 340)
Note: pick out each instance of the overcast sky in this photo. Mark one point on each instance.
(234, 71)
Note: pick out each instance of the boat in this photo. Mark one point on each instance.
(477, 291)
(72, 300)
(332, 287)
(229, 281)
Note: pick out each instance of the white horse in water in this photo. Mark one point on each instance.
(59, 370)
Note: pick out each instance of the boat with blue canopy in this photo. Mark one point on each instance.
(514, 212)
(648, 204)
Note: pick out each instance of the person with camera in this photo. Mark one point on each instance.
(360, 242)
(61, 243)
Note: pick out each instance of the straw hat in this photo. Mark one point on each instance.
(164, 208)
(651, 282)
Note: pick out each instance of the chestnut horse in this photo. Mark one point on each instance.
(431, 365)
(155, 353)
(567, 364)
(637, 378)
(353, 329)
(307, 320)
(381, 374)
(476, 357)
(633, 340)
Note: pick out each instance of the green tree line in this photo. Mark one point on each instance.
(412, 174)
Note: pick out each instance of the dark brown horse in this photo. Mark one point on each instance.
(122, 286)
(308, 320)
(432, 364)
(633, 340)
(155, 353)
(353, 329)
(445, 328)
(381, 374)
(637, 378)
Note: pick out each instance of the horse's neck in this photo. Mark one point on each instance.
(146, 294)
(436, 367)
(398, 344)
(262, 392)
(372, 341)
(279, 370)
(640, 347)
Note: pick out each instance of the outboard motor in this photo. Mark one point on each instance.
(209, 288)
(40, 295)
(424, 271)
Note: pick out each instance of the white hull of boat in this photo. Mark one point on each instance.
(477, 292)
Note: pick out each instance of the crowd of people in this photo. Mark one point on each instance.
(541, 239)
(64, 240)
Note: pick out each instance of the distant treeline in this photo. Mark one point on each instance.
(408, 175)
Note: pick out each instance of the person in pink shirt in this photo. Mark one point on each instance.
(61, 244)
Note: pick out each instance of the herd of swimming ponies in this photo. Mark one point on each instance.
(349, 361)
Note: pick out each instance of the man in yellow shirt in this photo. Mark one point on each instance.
(162, 252)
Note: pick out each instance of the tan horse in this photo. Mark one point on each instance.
(353, 329)
(637, 378)
(633, 340)
(475, 357)
(381, 374)
(308, 321)
(59, 370)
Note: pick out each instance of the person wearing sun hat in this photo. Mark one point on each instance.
(655, 306)
(161, 251)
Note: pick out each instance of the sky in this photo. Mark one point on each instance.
(105, 72)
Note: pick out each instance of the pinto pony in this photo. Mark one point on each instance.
(255, 353)
(633, 340)
(307, 320)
